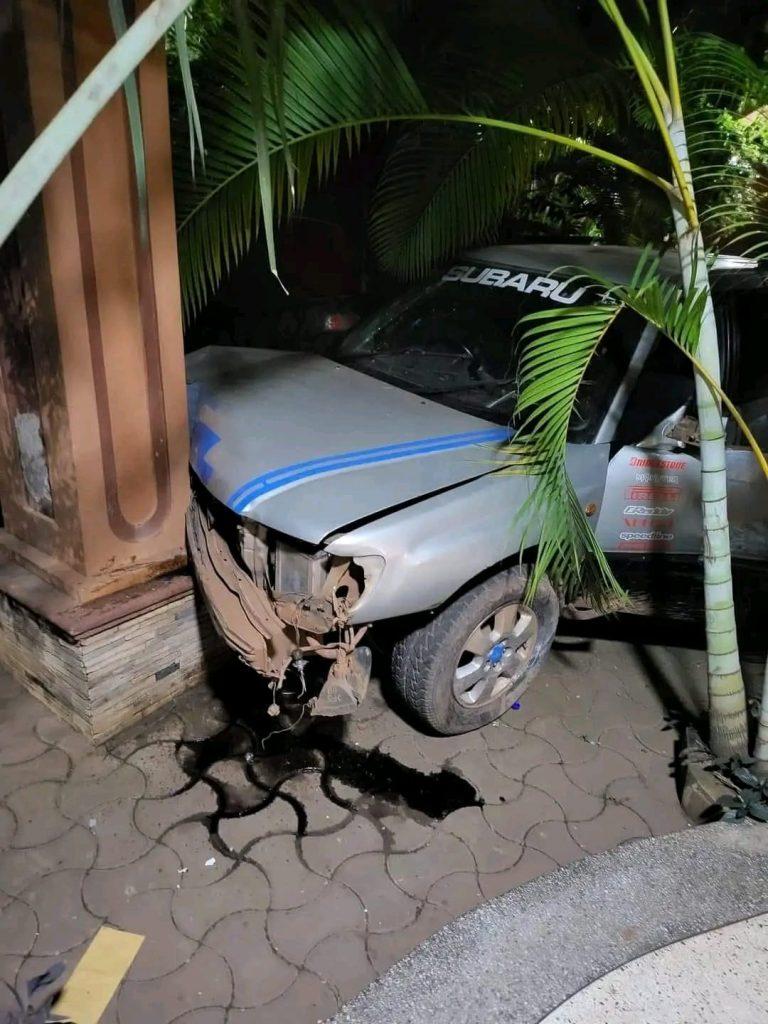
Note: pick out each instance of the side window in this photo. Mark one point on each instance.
(664, 385)
(604, 375)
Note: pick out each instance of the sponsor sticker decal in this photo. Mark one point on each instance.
(644, 492)
(648, 463)
(648, 510)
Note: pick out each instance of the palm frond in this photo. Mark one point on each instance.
(557, 347)
(332, 73)
(443, 188)
(446, 187)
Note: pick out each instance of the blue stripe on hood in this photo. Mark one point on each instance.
(239, 500)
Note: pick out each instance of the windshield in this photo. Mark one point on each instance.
(454, 341)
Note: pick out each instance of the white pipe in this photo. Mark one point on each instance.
(26, 180)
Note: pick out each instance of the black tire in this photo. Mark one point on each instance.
(424, 661)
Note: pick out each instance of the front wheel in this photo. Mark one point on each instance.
(474, 658)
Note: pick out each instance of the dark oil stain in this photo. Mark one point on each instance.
(247, 763)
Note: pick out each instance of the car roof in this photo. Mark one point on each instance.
(615, 262)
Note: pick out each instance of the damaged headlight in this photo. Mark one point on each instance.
(297, 571)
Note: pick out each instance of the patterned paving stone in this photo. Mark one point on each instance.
(166, 725)
(153, 817)
(38, 819)
(53, 765)
(62, 921)
(475, 767)
(196, 909)
(164, 949)
(403, 834)
(294, 932)
(18, 714)
(258, 974)
(61, 736)
(513, 820)
(198, 862)
(554, 839)
(9, 968)
(97, 764)
(205, 1015)
(80, 799)
(490, 850)
(525, 753)
(277, 818)
(322, 813)
(323, 854)
(616, 824)
(372, 732)
(650, 764)
(439, 749)
(342, 961)
(386, 906)
(199, 719)
(416, 872)
(314, 996)
(575, 804)
(19, 928)
(283, 928)
(75, 849)
(119, 841)
(108, 891)
(661, 816)
(555, 729)
(158, 764)
(204, 979)
(406, 748)
(455, 893)
(531, 864)
(7, 827)
(386, 949)
(596, 775)
(291, 882)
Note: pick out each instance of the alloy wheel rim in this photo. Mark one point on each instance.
(495, 655)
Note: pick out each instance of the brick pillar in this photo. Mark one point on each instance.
(93, 434)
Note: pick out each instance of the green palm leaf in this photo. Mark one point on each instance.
(331, 74)
(557, 347)
(446, 187)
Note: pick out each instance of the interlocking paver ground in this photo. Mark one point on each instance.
(272, 888)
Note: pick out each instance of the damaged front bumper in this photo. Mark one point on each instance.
(277, 603)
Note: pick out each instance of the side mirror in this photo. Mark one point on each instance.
(664, 433)
(685, 432)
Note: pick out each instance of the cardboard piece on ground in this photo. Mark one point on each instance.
(95, 979)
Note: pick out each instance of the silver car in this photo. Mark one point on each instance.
(332, 494)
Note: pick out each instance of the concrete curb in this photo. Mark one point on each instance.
(516, 958)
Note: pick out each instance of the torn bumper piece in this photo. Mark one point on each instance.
(268, 630)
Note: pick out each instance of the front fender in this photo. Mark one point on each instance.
(433, 547)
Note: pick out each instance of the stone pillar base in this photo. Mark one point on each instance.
(104, 666)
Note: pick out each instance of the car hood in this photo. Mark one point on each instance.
(307, 446)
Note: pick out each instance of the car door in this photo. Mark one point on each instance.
(652, 500)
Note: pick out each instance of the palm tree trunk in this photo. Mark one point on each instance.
(727, 699)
